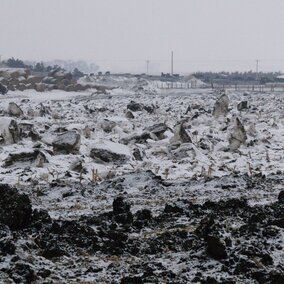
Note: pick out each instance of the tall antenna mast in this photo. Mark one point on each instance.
(256, 69)
(147, 62)
(172, 64)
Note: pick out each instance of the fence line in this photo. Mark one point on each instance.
(237, 87)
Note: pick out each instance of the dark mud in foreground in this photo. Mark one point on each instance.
(220, 240)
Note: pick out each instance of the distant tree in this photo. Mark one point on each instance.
(39, 67)
(15, 63)
(77, 73)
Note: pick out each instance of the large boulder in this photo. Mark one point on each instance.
(15, 208)
(9, 131)
(67, 142)
(221, 106)
(14, 110)
(238, 135)
(109, 152)
(180, 135)
(158, 130)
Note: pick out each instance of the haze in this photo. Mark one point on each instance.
(120, 35)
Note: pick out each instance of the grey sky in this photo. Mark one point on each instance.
(121, 34)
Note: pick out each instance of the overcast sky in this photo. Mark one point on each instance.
(121, 35)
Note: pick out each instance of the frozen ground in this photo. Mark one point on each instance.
(173, 189)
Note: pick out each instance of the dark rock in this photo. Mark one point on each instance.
(216, 247)
(15, 208)
(281, 196)
(129, 115)
(120, 206)
(107, 156)
(133, 106)
(6, 241)
(140, 139)
(172, 209)
(278, 222)
(242, 105)
(159, 130)
(3, 90)
(188, 109)
(144, 214)
(149, 109)
(131, 280)
(21, 158)
(23, 273)
(67, 142)
(137, 155)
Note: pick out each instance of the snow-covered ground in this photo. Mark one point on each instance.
(264, 152)
(130, 147)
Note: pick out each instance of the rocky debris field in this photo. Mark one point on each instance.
(138, 185)
(12, 79)
(147, 231)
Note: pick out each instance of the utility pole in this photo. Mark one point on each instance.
(147, 62)
(172, 64)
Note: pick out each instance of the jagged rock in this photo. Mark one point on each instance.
(77, 166)
(21, 157)
(221, 106)
(252, 130)
(40, 160)
(184, 151)
(180, 135)
(140, 139)
(9, 131)
(216, 247)
(67, 142)
(137, 155)
(87, 131)
(107, 156)
(15, 208)
(14, 110)
(149, 109)
(25, 128)
(3, 90)
(188, 109)
(238, 135)
(242, 105)
(133, 106)
(159, 130)
(44, 110)
(129, 115)
(107, 125)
